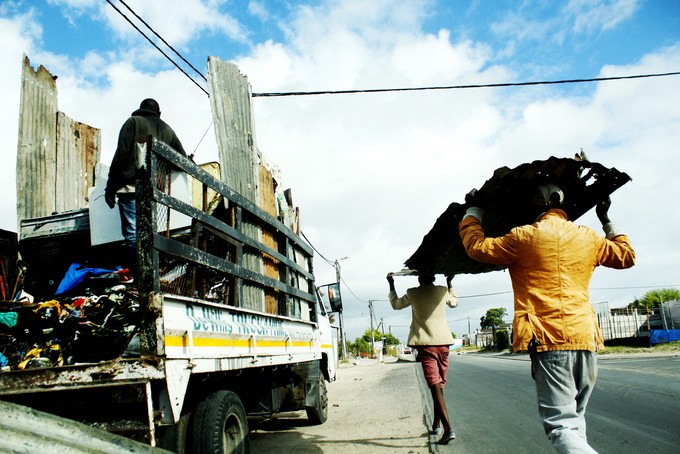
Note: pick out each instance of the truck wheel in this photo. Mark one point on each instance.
(318, 414)
(220, 425)
(174, 438)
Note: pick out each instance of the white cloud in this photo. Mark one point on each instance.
(520, 27)
(592, 16)
(177, 21)
(529, 23)
(259, 10)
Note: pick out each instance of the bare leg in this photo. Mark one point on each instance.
(440, 412)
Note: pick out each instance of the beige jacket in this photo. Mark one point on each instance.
(428, 309)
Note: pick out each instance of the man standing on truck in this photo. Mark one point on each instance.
(145, 121)
(550, 264)
(431, 337)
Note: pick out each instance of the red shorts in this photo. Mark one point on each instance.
(435, 362)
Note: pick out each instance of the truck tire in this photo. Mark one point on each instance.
(174, 438)
(220, 425)
(318, 414)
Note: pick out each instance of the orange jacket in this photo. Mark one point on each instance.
(550, 264)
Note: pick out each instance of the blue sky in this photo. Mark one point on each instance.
(540, 39)
(371, 173)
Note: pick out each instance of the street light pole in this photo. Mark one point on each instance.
(343, 339)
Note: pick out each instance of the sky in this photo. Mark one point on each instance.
(371, 172)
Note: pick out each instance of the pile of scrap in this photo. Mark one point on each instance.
(507, 194)
(93, 318)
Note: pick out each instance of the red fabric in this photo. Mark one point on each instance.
(435, 362)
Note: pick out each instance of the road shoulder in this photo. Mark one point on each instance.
(374, 407)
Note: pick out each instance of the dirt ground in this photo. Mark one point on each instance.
(374, 408)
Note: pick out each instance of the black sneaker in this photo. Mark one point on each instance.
(447, 437)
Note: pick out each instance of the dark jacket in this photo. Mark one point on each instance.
(143, 122)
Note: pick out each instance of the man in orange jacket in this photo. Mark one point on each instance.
(551, 262)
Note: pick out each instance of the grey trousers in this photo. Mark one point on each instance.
(564, 382)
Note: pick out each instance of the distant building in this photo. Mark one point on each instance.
(484, 337)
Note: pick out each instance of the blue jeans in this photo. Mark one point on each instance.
(564, 383)
(128, 218)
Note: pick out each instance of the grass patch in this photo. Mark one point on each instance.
(669, 347)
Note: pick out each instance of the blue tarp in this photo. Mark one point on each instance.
(76, 274)
(662, 336)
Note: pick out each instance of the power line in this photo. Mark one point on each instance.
(453, 87)
(350, 290)
(200, 141)
(156, 46)
(630, 288)
(164, 41)
(485, 294)
(374, 90)
(331, 263)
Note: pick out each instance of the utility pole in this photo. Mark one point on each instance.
(370, 312)
(343, 339)
(372, 315)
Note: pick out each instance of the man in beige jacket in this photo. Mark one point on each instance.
(431, 337)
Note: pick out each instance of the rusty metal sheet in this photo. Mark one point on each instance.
(104, 373)
(508, 193)
(77, 154)
(56, 155)
(36, 142)
(231, 102)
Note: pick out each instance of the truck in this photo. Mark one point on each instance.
(221, 321)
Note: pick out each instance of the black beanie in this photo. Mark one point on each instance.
(150, 104)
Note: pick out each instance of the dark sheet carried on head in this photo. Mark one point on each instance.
(506, 197)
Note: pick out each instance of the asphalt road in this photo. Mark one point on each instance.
(635, 407)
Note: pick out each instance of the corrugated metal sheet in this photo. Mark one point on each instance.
(56, 155)
(78, 152)
(36, 157)
(230, 97)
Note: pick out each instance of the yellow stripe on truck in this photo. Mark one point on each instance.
(182, 341)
